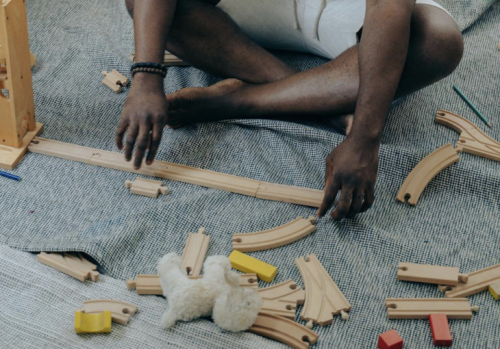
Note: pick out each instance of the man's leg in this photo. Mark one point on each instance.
(331, 89)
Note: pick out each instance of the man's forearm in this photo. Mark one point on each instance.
(382, 56)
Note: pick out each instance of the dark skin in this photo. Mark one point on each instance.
(390, 61)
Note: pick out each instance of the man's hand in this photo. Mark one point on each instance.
(144, 116)
(351, 168)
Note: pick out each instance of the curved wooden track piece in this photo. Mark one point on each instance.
(282, 299)
(421, 308)
(472, 140)
(478, 281)
(323, 297)
(283, 330)
(275, 237)
(73, 265)
(424, 172)
(120, 311)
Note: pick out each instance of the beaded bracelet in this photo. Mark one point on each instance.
(151, 68)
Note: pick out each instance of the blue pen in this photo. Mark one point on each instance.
(9, 175)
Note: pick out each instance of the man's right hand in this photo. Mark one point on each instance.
(144, 116)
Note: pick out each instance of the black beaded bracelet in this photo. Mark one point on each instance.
(148, 67)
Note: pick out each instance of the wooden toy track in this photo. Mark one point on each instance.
(478, 282)
(472, 140)
(323, 297)
(421, 308)
(424, 172)
(73, 265)
(283, 330)
(181, 173)
(276, 237)
(194, 252)
(282, 299)
(431, 274)
(120, 311)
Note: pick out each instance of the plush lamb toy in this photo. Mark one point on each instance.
(217, 293)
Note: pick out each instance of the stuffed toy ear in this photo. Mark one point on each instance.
(232, 278)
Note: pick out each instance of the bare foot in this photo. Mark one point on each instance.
(202, 104)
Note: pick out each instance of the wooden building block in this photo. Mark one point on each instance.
(478, 281)
(431, 274)
(424, 172)
(195, 251)
(494, 290)
(73, 265)
(247, 264)
(282, 299)
(323, 297)
(120, 311)
(390, 340)
(114, 80)
(146, 187)
(275, 237)
(441, 334)
(283, 330)
(421, 308)
(93, 323)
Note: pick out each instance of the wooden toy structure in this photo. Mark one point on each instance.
(146, 187)
(17, 109)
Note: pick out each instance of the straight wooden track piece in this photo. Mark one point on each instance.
(478, 282)
(120, 311)
(146, 187)
(323, 297)
(275, 237)
(421, 308)
(282, 299)
(424, 172)
(171, 171)
(431, 274)
(472, 140)
(75, 266)
(195, 251)
(150, 284)
(114, 80)
(283, 330)
(168, 59)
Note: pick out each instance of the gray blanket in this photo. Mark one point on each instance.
(62, 205)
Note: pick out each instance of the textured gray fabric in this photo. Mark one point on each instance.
(85, 208)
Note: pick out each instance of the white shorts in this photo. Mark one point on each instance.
(323, 27)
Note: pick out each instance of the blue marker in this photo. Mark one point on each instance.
(9, 175)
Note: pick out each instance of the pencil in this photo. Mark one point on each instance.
(9, 175)
(469, 103)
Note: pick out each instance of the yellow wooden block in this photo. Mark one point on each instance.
(247, 264)
(93, 323)
(494, 290)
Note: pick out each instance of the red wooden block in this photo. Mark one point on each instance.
(390, 340)
(440, 330)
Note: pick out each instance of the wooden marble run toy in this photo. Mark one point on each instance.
(181, 173)
(169, 60)
(478, 282)
(146, 187)
(323, 297)
(431, 274)
(120, 311)
(282, 299)
(73, 265)
(195, 251)
(92, 323)
(275, 237)
(283, 330)
(17, 108)
(421, 308)
(114, 80)
(441, 334)
(248, 264)
(390, 340)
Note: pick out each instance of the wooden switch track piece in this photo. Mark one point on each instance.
(93, 323)
(282, 299)
(169, 60)
(323, 297)
(276, 237)
(424, 172)
(176, 172)
(73, 265)
(248, 264)
(120, 311)
(472, 140)
(478, 282)
(431, 274)
(150, 284)
(195, 252)
(114, 80)
(421, 308)
(146, 187)
(283, 330)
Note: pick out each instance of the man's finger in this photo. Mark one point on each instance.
(142, 146)
(130, 142)
(155, 143)
(344, 204)
(120, 132)
(357, 202)
(369, 199)
(330, 195)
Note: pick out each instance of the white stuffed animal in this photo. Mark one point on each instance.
(217, 293)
